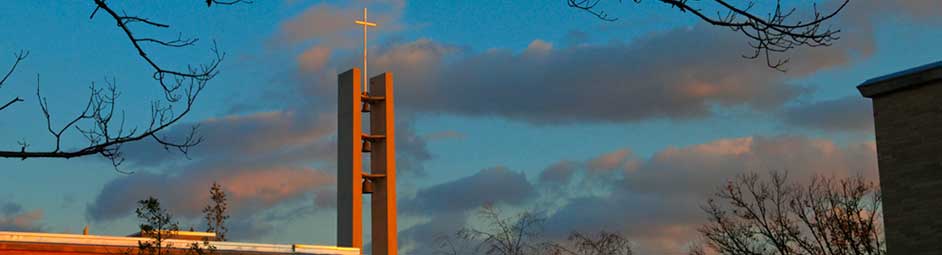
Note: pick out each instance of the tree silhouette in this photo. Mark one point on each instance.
(100, 123)
(775, 32)
(827, 216)
(156, 223)
(521, 235)
(216, 212)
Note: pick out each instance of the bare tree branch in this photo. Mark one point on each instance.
(826, 216)
(14, 100)
(169, 79)
(102, 125)
(20, 56)
(231, 2)
(774, 33)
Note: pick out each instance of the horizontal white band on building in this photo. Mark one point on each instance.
(132, 242)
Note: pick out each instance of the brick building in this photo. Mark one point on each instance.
(907, 109)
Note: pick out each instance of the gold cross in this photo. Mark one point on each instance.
(365, 24)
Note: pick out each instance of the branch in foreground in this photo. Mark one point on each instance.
(20, 56)
(772, 34)
(106, 134)
(98, 122)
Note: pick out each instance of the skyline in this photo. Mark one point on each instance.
(538, 97)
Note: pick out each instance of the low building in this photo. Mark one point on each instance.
(30, 243)
(907, 111)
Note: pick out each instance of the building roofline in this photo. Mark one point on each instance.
(901, 80)
(132, 242)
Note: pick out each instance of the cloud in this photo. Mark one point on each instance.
(559, 173)
(330, 26)
(699, 168)
(657, 205)
(654, 201)
(443, 135)
(245, 135)
(446, 207)
(496, 185)
(425, 237)
(683, 73)
(14, 218)
(186, 193)
(609, 161)
(412, 150)
(266, 161)
(851, 113)
(314, 59)
(662, 76)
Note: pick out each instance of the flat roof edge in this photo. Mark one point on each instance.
(901, 80)
(121, 241)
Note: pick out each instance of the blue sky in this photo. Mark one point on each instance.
(658, 103)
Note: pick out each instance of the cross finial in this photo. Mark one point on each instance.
(365, 24)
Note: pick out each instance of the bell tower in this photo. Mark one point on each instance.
(379, 143)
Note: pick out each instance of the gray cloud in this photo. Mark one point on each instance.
(264, 160)
(678, 74)
(559, 173)
(14, 218)
(496, 185)
(185, 194)
(426, 237)
(329, 25)
(657, 204)
(664, 76)
(851, 113)
(447, 206)
(247, 135)
(654, 201)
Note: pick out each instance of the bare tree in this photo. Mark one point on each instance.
(827, 216)
(504, 235)
(521, 235)
(216, 212)
(100, 123)
(775, 32)
(603, 243)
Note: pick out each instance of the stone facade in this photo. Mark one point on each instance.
(907, 108)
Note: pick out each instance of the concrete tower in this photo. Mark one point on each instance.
(380, 145)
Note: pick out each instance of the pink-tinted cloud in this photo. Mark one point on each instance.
(186, 193)
(654, 201)
(697, 169)
(14, 218)
(609, 161)
(329, 24)
(657, 205)
(559, 173)
(660, 76)
(251, 135)
(314, 59)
